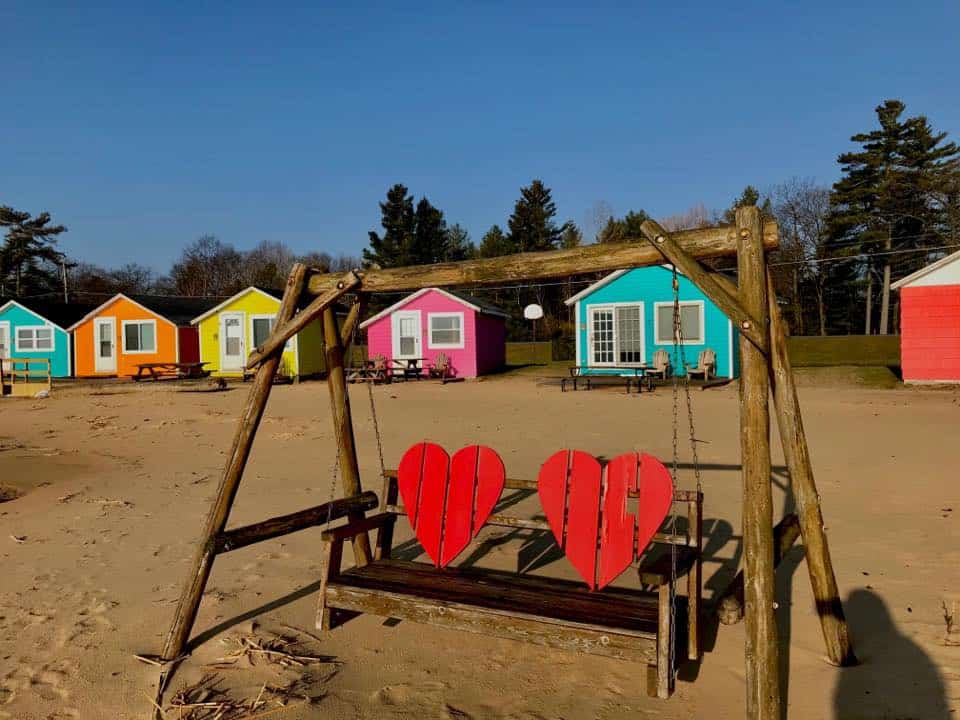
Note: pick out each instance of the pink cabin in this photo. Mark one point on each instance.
(432, 321)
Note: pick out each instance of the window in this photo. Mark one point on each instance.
(691, 323)
(36, 338)
(616, 335)
(261, 330)
(446, 330)
(139, 336)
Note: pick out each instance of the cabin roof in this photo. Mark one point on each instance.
(924, 271)
(60, 314)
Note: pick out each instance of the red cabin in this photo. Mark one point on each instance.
(930, 323)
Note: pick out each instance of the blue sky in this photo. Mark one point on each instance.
(142, 126)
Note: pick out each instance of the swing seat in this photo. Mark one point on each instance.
(614, 622)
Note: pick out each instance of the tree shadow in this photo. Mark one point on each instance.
(895, 677)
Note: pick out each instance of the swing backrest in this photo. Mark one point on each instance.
(687, 503)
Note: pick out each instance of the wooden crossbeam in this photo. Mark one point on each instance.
(703, 278)
(528, 267)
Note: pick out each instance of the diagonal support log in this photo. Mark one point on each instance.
(287, 329)
(186, 612)
(833, 623)
(704, 279)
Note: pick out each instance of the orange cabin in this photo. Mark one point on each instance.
(122, 333)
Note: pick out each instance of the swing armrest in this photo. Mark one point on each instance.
(352, 529)
(656, 571)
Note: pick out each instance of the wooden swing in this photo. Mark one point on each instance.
(549, 612)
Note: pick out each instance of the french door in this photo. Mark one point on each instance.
(615, 335)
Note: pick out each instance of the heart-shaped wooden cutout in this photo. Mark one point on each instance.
(448, 500)
(586, 506)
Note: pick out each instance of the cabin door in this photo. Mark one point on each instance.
(232, 342)
(105, 345)
(5, 345)
(405, 325)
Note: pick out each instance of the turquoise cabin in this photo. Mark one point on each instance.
(623, 319)
(27, 330)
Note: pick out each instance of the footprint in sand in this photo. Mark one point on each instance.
(29, 683)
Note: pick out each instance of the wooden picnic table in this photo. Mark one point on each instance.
(158, 370)
(408, 367)
(369, 372)
(630, 375)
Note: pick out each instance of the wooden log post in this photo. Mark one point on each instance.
(762, 651)
(343, 428)
(186, 612)
(833, 623)
(730, 606)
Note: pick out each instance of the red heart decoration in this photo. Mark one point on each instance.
(586, 506)
(448, 500)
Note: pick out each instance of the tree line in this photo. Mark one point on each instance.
(895, 208)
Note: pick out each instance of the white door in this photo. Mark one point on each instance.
(232, 343)
(5, 345)
(105, 345)
(406, 334)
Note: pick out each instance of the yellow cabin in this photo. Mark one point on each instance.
(230, 331)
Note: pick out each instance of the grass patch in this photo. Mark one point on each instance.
(845, 350)
(860, 376)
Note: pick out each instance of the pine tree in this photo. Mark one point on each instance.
(495, 243)
(28, 257)
(459, 246)
(429, 236)
(571, 236)
(626, 229)
(397, 219)
(750, 197)
(531, 225)
(890, 199)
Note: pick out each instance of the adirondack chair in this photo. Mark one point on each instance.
(441, 368)
(634, 625)
(706, 365)
(661, 365)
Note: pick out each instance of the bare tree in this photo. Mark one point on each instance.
(208, 267)
(697, 216)
(268, 264)
(597, 218)
(801, 207)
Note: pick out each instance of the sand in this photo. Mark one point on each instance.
(116, 481)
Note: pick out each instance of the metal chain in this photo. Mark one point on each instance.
(678, 361)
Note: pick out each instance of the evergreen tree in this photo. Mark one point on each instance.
(397, 219)
(889, 199)
(626, 229)
(571, 236)
(429, 235)
(531, 225)
(459, 246)
(750, 197)
(495, 243)
(28, 256)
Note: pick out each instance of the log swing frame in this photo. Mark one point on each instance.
(765, 369)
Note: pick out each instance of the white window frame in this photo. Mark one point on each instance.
(616, 334)
(291, 343)
(686, 341)
(33, 329)
(123, 337)
(446, 346)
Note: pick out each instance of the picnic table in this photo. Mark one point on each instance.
(158, 370)
(369, 371)
(408, 367)
(587, 375)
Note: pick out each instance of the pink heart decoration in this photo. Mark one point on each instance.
(448, 500)
(586, 506)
